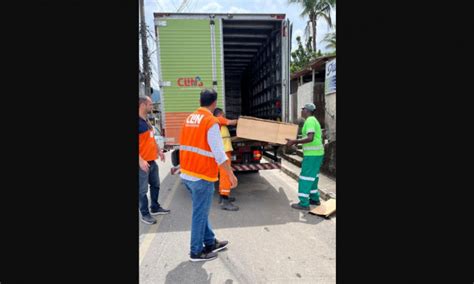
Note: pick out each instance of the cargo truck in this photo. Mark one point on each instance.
(244, 57)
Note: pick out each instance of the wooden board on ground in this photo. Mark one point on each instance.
(325, 209)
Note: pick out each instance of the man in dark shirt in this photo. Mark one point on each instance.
(148, 152)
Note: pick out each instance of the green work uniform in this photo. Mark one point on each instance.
(313, 154)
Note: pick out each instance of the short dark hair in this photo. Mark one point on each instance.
(218, 111)
(142, 99)
(208, 97)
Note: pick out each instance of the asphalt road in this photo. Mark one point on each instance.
(269, 241)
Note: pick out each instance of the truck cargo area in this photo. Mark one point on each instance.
(253, 68)
(244, 57)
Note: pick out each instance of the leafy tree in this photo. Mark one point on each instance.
(315, 9)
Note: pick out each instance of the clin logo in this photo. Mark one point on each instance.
(190, 82)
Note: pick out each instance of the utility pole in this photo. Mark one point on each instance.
(146, 59)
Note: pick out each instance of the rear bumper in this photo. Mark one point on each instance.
(241, 167)
(255, 167)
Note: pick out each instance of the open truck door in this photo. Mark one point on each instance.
(287, 27)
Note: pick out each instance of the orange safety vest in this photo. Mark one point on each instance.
(147, 147)
(195, 155)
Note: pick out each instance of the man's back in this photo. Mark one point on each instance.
(196, 157)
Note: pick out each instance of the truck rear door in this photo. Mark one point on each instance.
(287, 27)
(188, 48)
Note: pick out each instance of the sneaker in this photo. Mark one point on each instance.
(160, 211)
(298, 206)
(203, 256)
(312, 202)
(217, 246)
(227, 205)
(148, 220)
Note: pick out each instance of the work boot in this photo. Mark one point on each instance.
(313, 202)
(231, 199)
(227, 205)
(299, 207)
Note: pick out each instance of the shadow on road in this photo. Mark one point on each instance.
(188, 272)
(262, 202)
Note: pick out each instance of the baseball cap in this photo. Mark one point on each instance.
(310, 107)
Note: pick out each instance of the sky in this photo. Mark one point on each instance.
(292, 12)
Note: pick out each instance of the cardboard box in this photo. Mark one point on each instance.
(266, 130)
(326, 208)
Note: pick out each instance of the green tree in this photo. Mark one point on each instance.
(315, 9)
(330, 39)
(302, 56)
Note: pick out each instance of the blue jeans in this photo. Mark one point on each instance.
(201, 230)
(152, 178)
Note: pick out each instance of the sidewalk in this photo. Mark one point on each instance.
(327, 184)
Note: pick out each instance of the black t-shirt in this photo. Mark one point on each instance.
(143, 126)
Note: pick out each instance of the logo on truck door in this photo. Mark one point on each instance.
(190, 82)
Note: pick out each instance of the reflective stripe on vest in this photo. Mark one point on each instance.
(320, 147)
(197, 159)
(196, 150)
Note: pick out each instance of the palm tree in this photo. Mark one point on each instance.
(315, 9)
(330, 39)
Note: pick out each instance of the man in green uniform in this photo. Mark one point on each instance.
(313, 154)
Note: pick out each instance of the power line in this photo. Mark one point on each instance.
(172, 2)
(185, 5)
(181, 6)
(189, 5)
(195, 5)
(151, 35)
(159, 5)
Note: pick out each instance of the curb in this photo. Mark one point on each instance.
(291, 159)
